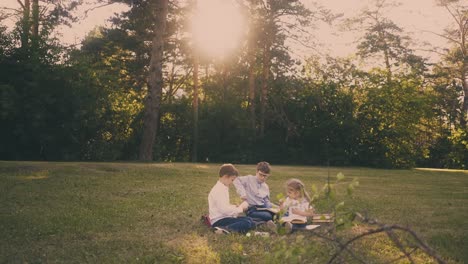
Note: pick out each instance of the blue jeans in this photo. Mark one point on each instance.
(239, 224)
(296, 227)
(259, 215)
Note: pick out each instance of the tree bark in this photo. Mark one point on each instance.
(155, 83)
(463, 29)
(195, 109)
(253, 117)
(264, 91)
(464, 77)
(35, 25)
(35, 18)
(26, 24)
(386, 56)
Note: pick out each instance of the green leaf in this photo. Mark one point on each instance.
(341, 204)
(314, 189)
(340, 176)
(280, 196)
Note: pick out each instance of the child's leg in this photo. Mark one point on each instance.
(239, 224)
(298, 227)
(261, 215)
(293, 227)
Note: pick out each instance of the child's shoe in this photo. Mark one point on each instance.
(262, 234)
(220, 231)
(272, 226)
(289, 227)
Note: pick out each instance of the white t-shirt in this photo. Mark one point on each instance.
(301, 204)
(219, 204)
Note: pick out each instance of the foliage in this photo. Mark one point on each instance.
(392, 119)
(112, 71)
(86, 102)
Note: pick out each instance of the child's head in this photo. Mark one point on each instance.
(228, 173)
(263, 171)
(296, 190)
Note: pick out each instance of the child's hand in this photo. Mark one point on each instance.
(296, 211)
(281, 203)
(244, 205)
(310, 211)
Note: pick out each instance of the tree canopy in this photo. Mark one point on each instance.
(139, 90)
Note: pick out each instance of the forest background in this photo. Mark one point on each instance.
(144, 89)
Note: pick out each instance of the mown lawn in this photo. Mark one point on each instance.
(149, 213)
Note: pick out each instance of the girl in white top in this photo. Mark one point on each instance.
(296, 205)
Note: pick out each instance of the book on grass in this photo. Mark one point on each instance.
(322, 218)
(274, 210)
(294, 219)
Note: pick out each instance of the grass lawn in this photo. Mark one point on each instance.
(149, 213)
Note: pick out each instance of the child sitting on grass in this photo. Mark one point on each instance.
(256, 192)
(224, 215)
(296, 206)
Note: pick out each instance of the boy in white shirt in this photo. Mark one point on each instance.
(223, 214)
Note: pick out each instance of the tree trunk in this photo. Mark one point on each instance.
(251, 54)
(35, 25)
(464, 77)
(387, 65)
(195, 109)
(155, 83)
(463, 29)
(386, 57)
(26, 24)
(264, 91)
(35, 19)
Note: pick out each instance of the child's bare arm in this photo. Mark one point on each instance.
(281, 204)
(308, 212)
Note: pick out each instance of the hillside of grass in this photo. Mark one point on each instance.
(149, 213)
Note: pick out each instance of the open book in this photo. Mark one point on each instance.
(316, 218)
(322, 218)
(274, 210)
(294, 219)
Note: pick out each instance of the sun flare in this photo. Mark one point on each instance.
(217, 27)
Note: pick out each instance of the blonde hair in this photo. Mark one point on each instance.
(299, 186)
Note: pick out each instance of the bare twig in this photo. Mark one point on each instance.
(401, 257)
(21, 3)
(94, 8)
(345, 245)
(442, 36)
(398, 243)
(389, 229)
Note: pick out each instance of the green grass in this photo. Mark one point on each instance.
(149, 213)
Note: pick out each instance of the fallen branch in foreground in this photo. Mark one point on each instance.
(390, 231)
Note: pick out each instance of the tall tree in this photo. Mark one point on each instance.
(277, 20)
(195, 108)
(382, 37)
(458, 56)
(155, 82)
(252, 58)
